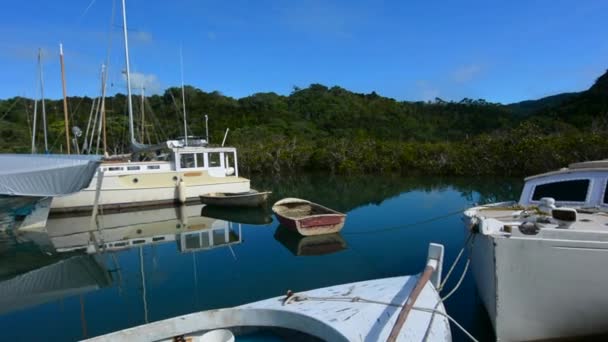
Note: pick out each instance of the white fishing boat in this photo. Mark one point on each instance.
(189, 172)
(540, 263)
(406, 308)
(189, 167)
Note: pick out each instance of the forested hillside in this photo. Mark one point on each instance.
(336, 130)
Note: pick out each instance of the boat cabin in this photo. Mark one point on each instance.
(579, 185)
(217, 161)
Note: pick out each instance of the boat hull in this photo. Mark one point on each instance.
(327, 224)
(140, 190)
(538, 288)
(251, 199)
(329, 320)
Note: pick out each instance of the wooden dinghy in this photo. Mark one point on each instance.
(308, 218)
(251, 198)
(369, 310)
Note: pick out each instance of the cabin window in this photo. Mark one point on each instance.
(229, 159)
(115, 168)
(605, 201)
(192, 241)
(132, 168)
(153, 167)
(187, 160)
(214, 159)
(200, 160)
(565, 191)
(219, 237)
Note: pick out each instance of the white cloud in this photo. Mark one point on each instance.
(466, 73)
(318, 17)
(149, 82)
(24, 53)
(427, 91)
(141, 37)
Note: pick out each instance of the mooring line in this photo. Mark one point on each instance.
(382, 230)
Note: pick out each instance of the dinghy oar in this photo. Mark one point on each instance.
(433, 265)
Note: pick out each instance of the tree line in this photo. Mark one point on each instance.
(331, 129)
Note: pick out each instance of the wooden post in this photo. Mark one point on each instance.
(65, 99)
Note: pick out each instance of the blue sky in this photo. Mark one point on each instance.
(502, 51)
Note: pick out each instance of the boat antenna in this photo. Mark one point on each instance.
(225, 136)
(129, 101)
(181, 63)
(46, 143)
(65, 101)
(207, 128)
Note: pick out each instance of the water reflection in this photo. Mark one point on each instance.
(300, 245)
(75, 275)
(347, 193)
(253, 216)
(182, 225)
(146, 265)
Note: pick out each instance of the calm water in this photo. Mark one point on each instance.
(198, 263)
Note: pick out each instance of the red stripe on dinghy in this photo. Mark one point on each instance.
(321, 221)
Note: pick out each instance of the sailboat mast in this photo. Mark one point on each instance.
(102, 126)
(130, 102)
(65, 100)
(34, 125)
(181, 59)
(46, 142)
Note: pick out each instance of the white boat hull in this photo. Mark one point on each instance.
(145, 189)
(323, 316)
(541, 287)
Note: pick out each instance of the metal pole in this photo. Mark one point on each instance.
(34, 126)
(103, 107)
(225, 136)
(181, 59)
(130, 102)
(207, 128)
(143, 111)
(65, 102)
(46, 143)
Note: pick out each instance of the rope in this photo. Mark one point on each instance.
(444, 298)
(299, 297)
(445, 280)
(436, 218)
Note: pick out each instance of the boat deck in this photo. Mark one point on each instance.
(587, 220)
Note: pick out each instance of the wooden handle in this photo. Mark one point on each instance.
(409, 304)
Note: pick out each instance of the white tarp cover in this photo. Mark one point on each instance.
(45, 174)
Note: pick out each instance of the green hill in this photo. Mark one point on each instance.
(333, 129)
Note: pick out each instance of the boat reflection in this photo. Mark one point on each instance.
(116, 231)
(309, 245)
(253, 216)
(73, 275)
(74, 255)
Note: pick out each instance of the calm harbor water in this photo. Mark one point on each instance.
(180, 262)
